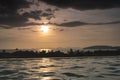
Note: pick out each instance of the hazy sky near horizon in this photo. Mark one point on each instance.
(71, 23)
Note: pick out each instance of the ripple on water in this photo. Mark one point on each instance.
(73, 75)
(24, 73)
(100, 76)
(52, 78)
(8, 72)
(115, 64)
(4, 78)
(110, 68)
(116, 71)
(38, 67)
(48, 66)
(54, 66)
(46, 74)
(111, 74)
(76, 67)
(62, 69)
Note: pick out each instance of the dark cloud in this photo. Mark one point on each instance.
(72, 24)
(48, 15)
(15, 21)
(84, 4)
(33, 14)
(10, 16)
(11, 6)
(52, 10)
(114, 22)
(78, 23)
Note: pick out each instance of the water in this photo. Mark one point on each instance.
(86, 68)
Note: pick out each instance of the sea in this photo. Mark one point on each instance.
(65, 68)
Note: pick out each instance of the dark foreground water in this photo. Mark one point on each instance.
(92, 68)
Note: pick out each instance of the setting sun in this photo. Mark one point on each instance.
(44, 28)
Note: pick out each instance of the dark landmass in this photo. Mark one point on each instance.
(102, 47)
(70, 53)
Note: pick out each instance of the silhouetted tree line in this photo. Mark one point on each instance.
(70, 53)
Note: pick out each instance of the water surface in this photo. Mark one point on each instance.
(81, 68)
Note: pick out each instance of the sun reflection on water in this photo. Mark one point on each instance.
(46, 78)
(42, 69)
(45, 63)
(45, 69)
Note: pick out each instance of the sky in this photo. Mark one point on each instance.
(70, 23)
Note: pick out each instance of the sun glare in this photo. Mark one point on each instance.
(44, 28)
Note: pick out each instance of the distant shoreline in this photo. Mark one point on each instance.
(58, 53)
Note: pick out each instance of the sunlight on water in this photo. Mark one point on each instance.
(45, 63)
(46, 78)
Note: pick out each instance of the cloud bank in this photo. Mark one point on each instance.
(10, 13)
(84, 4)
(10, 16)
(78, 23)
